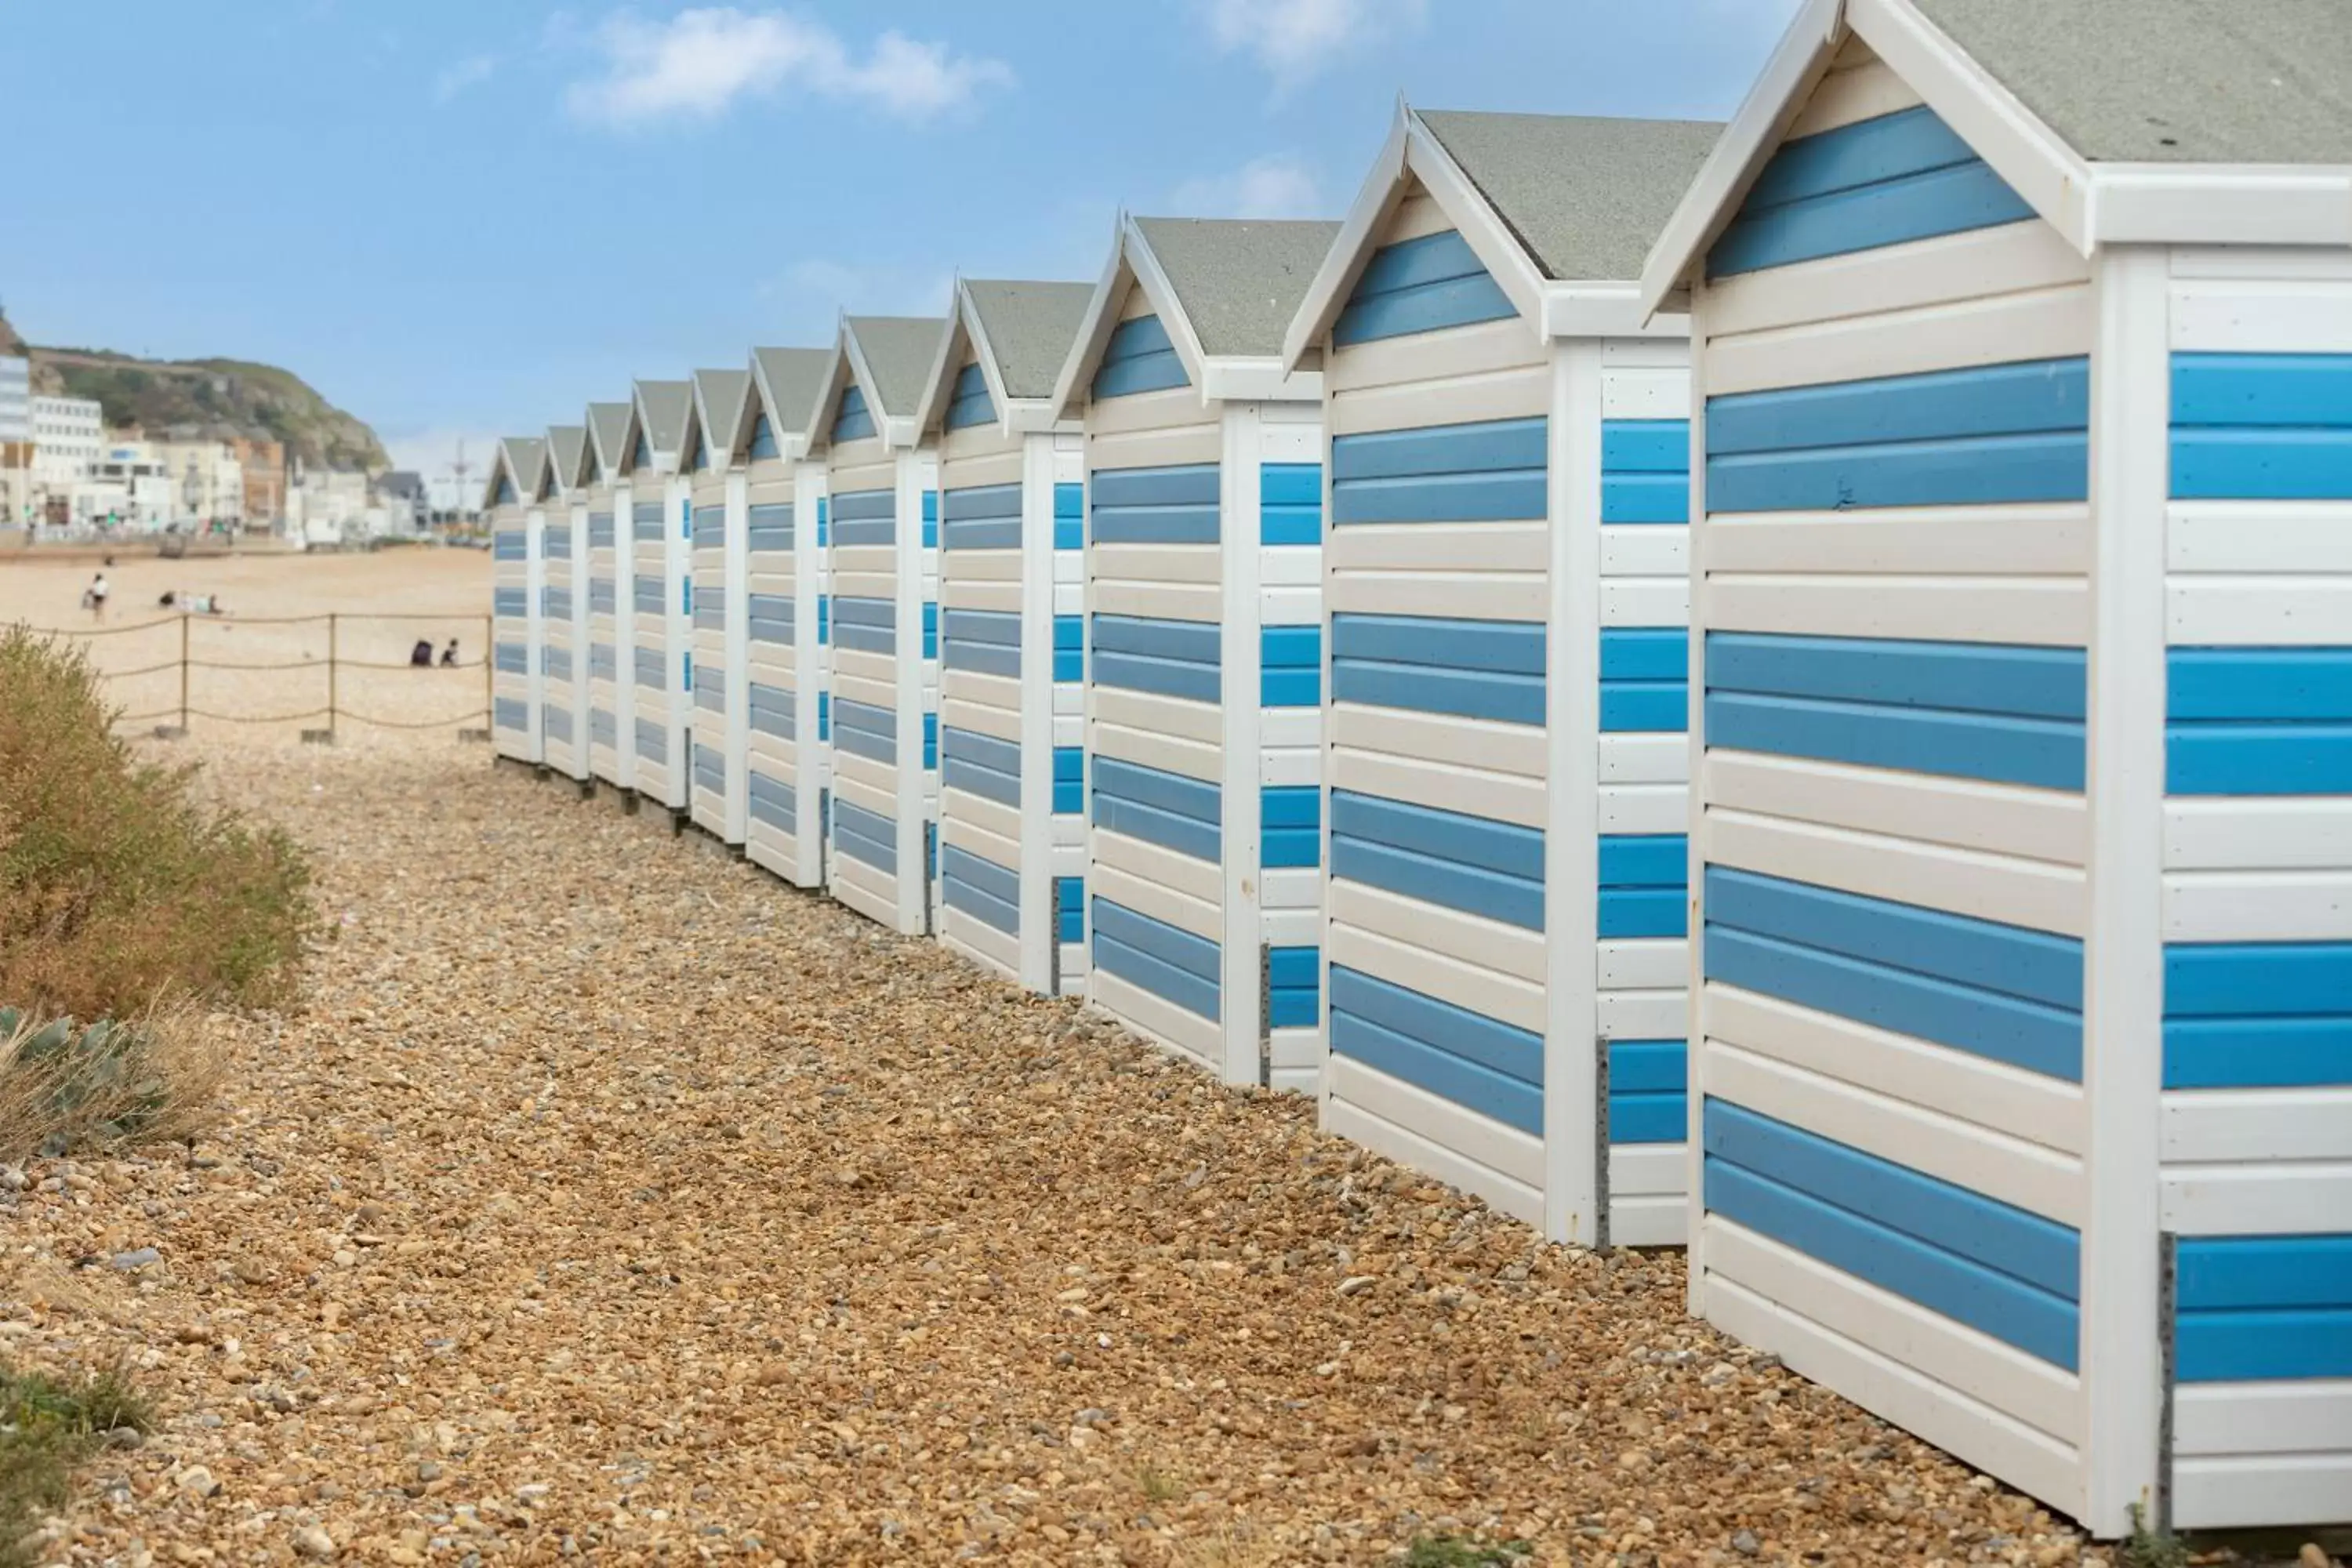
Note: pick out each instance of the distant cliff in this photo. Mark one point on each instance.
(212, 397)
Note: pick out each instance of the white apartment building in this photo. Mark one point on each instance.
(207, 481)
(68, 434)
(15, 399)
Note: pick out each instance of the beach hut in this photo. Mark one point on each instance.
(1011, 481)
(882, 483)
(1204, 603)
(2021, 1109)
(786, 707)
(1506, 587)
(512, 501)
(609, 695)
(714, 467)
(660, 617)
(563, 603)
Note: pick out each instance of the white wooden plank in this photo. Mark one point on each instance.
(1650, 550)
(2307, 611)
(1644, 601)
(1645, 393)
(1291, 727)
(1291, 607)
(2046, 612)
(1291, 887)
(1003, 597)
(1491, 947)
(1196, 879)
(1644, 808)
(1291, 928)
(1482, 351)
(1500, 797)
(1203, 918)
(2041, 323)
(2015, 891)
(2258, 537)
(2223, 1125)
(1187, 1036)
(980, 566)
(2269, 1489)
(1420, 1130)
(2052, 540)
(1648, 759)
(987, 828)
(1151, 429)
(1646, 1170)
(2301, 315)
(2258, 906)
(1157, 748)
(1469, 742)
(1471, 595)
(1291, 567)
(1643, 964)
(1861, 92)
(1148, 711)
(1420, 965)
(1978, 1376)
(1158, 563)
(2305, 1416)
(2003, 819)
(977, 940)
(1498, 548)
(2274, 833)
(2269, 1198)
(1631, 1014)
(1165, 600)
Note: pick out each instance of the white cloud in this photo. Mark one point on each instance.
(1279, 186)
(457, 78)
(696, 63)
(1293, 39)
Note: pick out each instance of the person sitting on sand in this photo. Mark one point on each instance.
(421, 656)
(449, 655)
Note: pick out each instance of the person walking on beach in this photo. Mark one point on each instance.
(95, 596)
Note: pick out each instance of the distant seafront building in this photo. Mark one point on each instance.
(16, 436)
(68, 433)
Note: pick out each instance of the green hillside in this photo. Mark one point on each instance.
(216, 397)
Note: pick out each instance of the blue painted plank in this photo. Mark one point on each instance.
(1162, 960)
(1644, 706)
(2270, 979)
(2270, 684)
(1516, 497)
(1514, 648)
(1977, 472)
(1140, 357)
(1645, 653)
(2022, 398)
(2262, 1347)
(1984, 678)
(1159, 807)
(2044, 752)
(1291, 825)
(1069, 517)
(2258, 759)
(1069, 780)
(2005, 959)
(1627, 912)
(2261, 465)
(1462, 1057)
(1198, 643)
(1438, 258)
(1644, 1118)
(1443, 857)
(2257, 1053)
(1646, 1067)
(981, 889)
(850, 420)
(1645, 446)
(1644, 860)
(1424, 284)
(1166, 677)
(1070, 908)
(1290, 503)
(1507, 446)
(773, 802)
(969, 403)
(2276, 391)
(1195, 955)
(1878, 181)
(982, 765)
(1644, 498)
(771, 711)
(2232, 1273)
(1290, 968)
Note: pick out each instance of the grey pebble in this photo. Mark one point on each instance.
(139, 1257)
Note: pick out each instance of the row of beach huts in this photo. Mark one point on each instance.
(1782, 689)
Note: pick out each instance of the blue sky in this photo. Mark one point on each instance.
(464, 218)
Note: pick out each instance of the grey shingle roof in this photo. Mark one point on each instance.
(900, 351)
(1030, 328)
(722, 393)
(1239, 279)
(2171, 81)
(568, 445)
(1586, 196)
(609, 424)
(795, 380)
(524, 456)
(666, 404)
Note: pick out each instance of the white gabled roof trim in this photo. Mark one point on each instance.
(1015, 415)
(1414, 152)
(2088, 204)
(896, 430)
(1216, 377)
(790, 445)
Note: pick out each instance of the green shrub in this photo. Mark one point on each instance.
(66, 1086)
(49, 1425)
(119, 888)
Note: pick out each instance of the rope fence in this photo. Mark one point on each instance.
(276, 649)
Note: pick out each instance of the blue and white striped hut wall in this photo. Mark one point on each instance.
(611, 696)
(1506, 594)
(715, 467)
(2025, 611)
(1203, 562)
(605, 553)
(882, 485)
(1013, 844)
(512, 501)
(563, 604)
(660, 592)
(787, 709)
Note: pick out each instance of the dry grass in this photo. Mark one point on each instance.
(120, 889)
(48, 1424)
(66, 1087)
